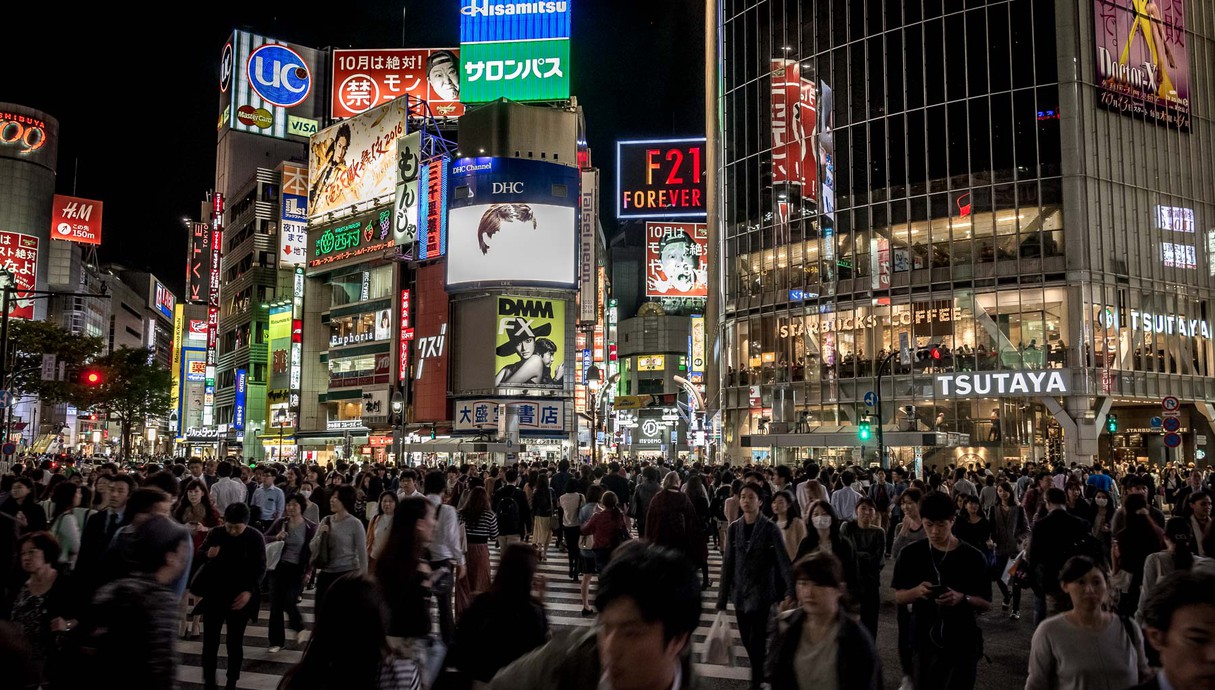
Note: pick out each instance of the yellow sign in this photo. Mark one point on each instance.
(651, 363)
(631, 402)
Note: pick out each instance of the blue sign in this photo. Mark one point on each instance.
(9, 448)
(1172, 424)
(295, 208)
(432, 209)
(279, 75)
(801, 295)
(871, 399)
(6, 399)
(1156, 422)
(503, 20)
(242, 385)
(1172, 440)
(586, 364)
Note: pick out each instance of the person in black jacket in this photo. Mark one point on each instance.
(820, 585)
(22, 505)
(234, 562)
(99, 531)
(1051, 543)
(512, 523)
(1179, 621)
(755, 575)
(479, 649)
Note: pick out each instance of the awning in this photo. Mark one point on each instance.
(846, 436)
(455, 445)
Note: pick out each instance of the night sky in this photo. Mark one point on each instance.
(137, 110)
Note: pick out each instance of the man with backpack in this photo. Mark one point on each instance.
(510, 507)
(1056, 537)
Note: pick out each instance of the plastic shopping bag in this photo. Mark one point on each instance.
(717, 646)
(1011, 568)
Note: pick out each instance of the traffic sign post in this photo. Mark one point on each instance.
(1156, 422)
(6, 399)
(1172, 424)
(870, 399)
(9, 448)
(1170, 403)
(1172, 440)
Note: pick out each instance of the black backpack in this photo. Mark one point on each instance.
(508, 513)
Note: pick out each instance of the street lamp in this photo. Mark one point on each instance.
(594, 381)
(152, 439)
(398, 419)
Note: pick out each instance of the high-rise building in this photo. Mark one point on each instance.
(991, 208)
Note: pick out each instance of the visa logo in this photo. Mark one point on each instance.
(301, 126)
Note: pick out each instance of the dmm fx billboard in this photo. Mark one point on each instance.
(1027, 383)
(516, 50)
(269, 87)
(363, 79)
(660, 178)
(355, 161)
(676, 260)
(1143, 59)
(530, 343)
(512, 221)
(536, 417)
(76, 220)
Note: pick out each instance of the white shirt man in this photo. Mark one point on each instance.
(226, 491)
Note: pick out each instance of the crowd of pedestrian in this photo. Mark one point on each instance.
(108, 567)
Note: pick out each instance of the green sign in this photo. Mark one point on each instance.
(365, 234)
(518, 70)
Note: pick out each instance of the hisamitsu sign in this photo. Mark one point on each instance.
(1010, 383)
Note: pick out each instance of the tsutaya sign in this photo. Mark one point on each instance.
(826, 323)
(1017, 383)
(1165, 324)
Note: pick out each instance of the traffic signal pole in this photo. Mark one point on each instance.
(881, 440)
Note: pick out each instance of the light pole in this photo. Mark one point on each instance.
(594, 381)
(877, 408)
(398, 414)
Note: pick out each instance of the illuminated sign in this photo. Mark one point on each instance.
(517, 70)
(77, 220)
(370, 232)
(660, 178)
(1143, 61)
(698, 344)
(293, 216)
(198, 330)
(794, 117)
(196, 264)
(242, 386)
(813, 325)
(534, 416)
(651, 362)
(196, 370)
(164, 301)
(19, 256)
(363, 79)
(588, 214)
(21, 134)
(429, 399)
(1012, 383)
(271, 88)
(406, 335)
(343, 424)
(406, 206)
(503, 20)
(1175, 218)
(433, 210)
(1178, 255)
(279, 75)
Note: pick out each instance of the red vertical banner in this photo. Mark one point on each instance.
(794, 118)
(406, 335)
(19, 256)
(429, 397)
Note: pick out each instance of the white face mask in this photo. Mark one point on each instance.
(1102, 501)
(305, 494)
(821, 521)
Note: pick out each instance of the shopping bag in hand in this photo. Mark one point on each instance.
(717, 646)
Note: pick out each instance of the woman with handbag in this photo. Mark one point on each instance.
(196, 511)
(480, 528)
(571, 506)
(404, 579)
(586, 555)
(607, 529)
(287, 579)
(543, 509)
(1007, 522)
(340, 544)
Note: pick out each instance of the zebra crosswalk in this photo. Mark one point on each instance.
(562, 601)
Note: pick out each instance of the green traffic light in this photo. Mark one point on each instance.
(863, 431)
(1111, 423)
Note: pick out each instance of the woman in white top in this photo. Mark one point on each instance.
(1087, 648)
(381, 526)
(64, 500)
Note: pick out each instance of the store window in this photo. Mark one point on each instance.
(361, 370)
(360, 328)
(361, 286)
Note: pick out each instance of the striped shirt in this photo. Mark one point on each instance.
(483, 530)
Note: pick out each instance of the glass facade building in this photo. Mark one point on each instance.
(948, 183)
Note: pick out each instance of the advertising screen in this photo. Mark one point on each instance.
(365, 78)
(794, 118)
(76, 220)
(293, 216)
(530, 343)
(512, 221)
(350, 239)
(516, 50)
(271, 88)
(279, 380)
(588, 215)
(19, 256)
(193, 387)
(660, 178)
(651, 362)
(676, 260)
(164, 301)
(356, 160)
(1143, 61)
(698, 345)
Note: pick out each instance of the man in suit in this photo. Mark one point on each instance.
(99, 531)
(1050, 545)
(1179, 621)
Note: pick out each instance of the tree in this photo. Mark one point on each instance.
(29, 341)
(133, 388)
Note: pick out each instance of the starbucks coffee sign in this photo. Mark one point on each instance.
(978, 384)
